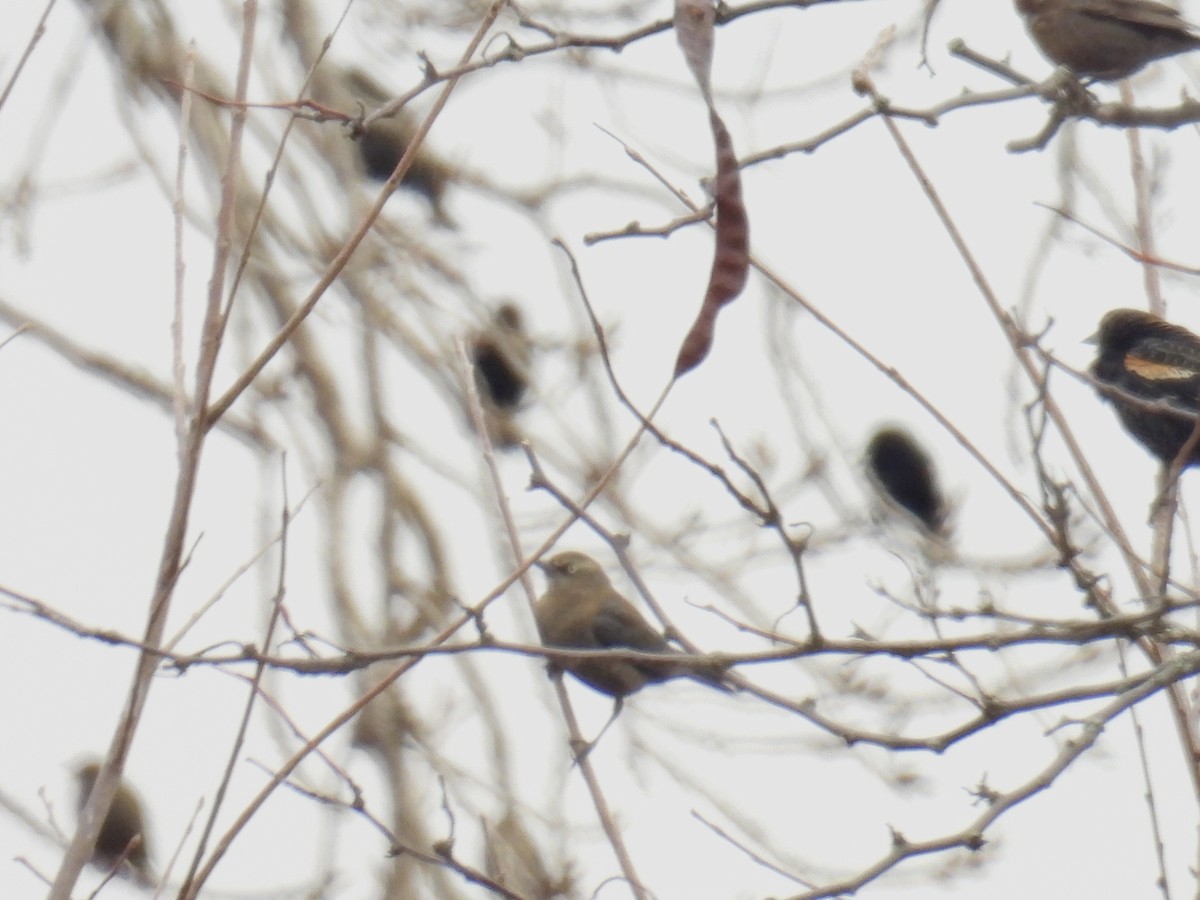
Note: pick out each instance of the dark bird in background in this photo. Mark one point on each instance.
(582, 611)
(124, 828)
(904, 475)
(1106, 39)
(502, 354)
(383, 142)
(1150, 358)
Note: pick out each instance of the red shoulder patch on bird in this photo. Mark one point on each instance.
(1157, 371)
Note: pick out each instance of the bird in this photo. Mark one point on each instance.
(1152, 359)
(582, 611)
(502, 354)
(1107, 40)
(384, 141)
(123, 833)
(903, 473)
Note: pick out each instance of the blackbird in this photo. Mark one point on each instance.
(904, 475)
(1147, 357)
(502, 354)
(383, 142)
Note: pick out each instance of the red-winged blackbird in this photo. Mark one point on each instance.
(1149, 358)
(582, 611)
(1107, 39)
(121, 827)
(902, 472)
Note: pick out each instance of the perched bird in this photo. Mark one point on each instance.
(904, 475)
(502, 355)
(1147, 357)
(1107, 39)
(383, 142)
(582, 611)
(123, 830)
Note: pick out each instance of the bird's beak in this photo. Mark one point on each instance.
(1094, 339)
(545, 567)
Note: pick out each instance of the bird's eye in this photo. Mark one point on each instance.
(571, 568)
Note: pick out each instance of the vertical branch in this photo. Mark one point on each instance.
(92, 816)
(255, 683)
(1144, 226)
(178, 369)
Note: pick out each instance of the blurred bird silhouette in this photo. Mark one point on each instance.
(502, 355)
(513, 858)
(904, 475)
(384, 141)
(124, 829)
(1107, 39)
(582, 611)
(1150, 358)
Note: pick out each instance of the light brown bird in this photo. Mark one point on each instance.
(124, 827)
(582, 611)
(1107, 39)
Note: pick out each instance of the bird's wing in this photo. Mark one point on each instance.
(618, 625)
(1164, 360)
(1138, 12)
